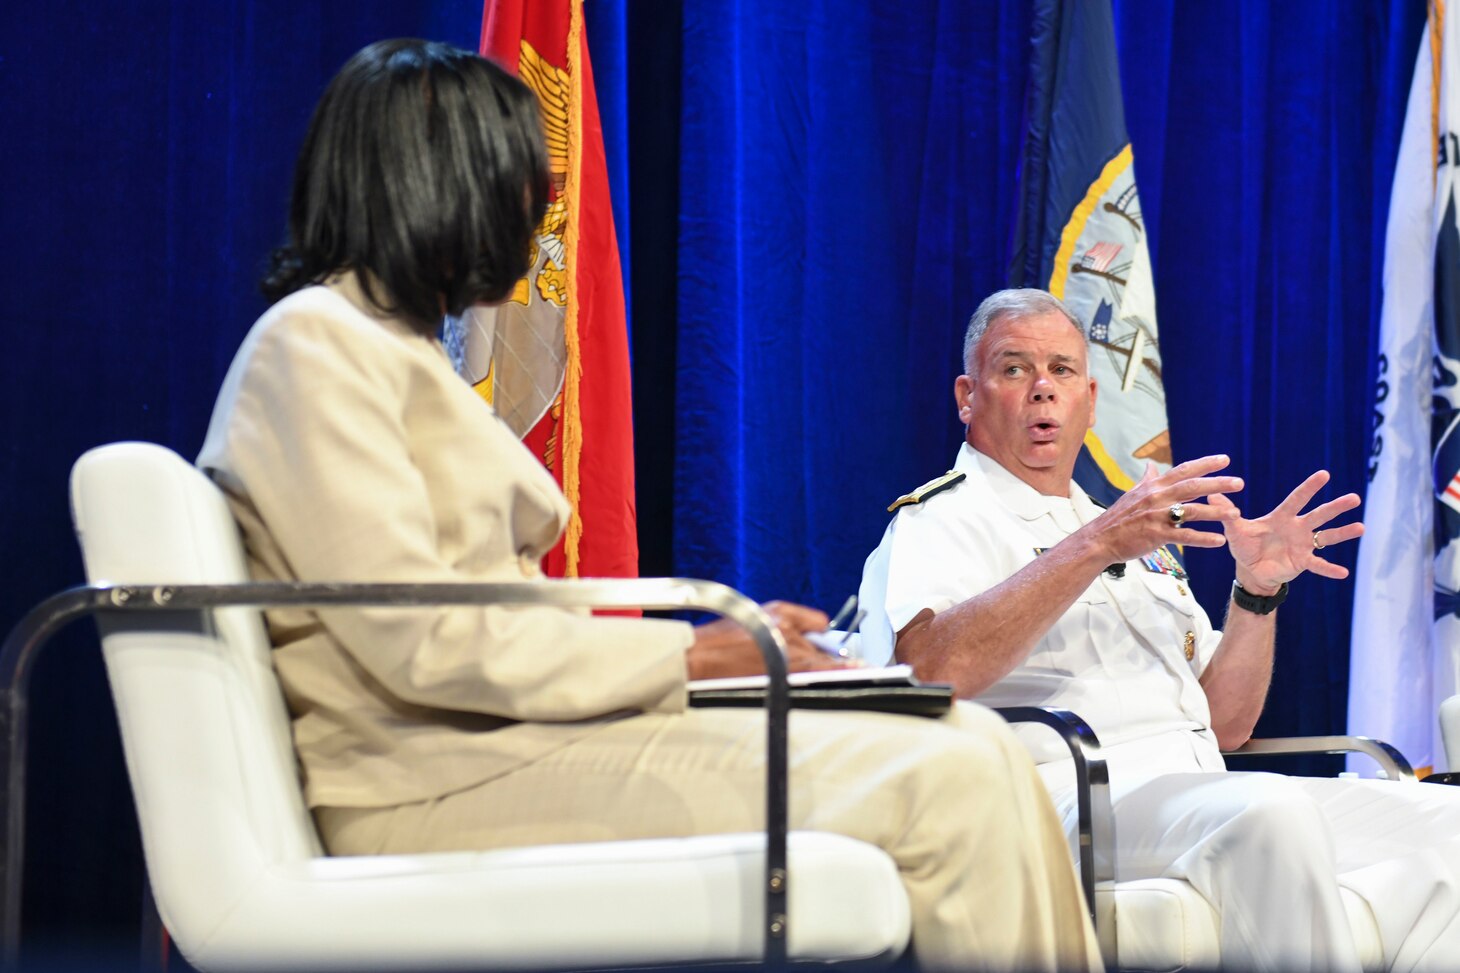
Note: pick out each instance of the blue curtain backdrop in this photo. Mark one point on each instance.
(811, 199)
(835, 236)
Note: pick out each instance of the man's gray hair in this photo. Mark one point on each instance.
(1016, 303)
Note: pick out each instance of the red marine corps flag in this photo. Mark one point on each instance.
(553, 359)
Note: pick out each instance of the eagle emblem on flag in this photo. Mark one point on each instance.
(515, 354)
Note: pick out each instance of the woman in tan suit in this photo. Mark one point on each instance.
(350, 451)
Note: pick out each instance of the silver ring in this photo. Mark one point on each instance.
(1177, 514)
(1317, 544)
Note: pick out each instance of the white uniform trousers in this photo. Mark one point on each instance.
(1270, 852)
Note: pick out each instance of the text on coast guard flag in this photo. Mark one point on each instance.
(553, 358)
(1081, 236)
(1406, 630)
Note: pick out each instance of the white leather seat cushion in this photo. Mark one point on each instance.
(633, 902)
(1165, 924)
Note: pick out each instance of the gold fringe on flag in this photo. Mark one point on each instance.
(572, 383)
(1437, 46)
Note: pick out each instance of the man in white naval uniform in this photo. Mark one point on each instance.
(1005, 579)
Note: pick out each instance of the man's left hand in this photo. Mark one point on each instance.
(1275, 549)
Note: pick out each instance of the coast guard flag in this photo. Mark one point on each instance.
(1406, 630)
(1081, 236)
(553, 359)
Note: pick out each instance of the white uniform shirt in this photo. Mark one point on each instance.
(1118, 657)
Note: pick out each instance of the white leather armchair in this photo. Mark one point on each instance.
(1162, 925)
(234, 862)
(1450, 731)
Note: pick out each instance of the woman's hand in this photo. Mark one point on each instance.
(722, 648)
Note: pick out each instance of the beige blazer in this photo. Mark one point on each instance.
(349, 450)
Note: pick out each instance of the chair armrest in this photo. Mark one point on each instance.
(1096, 819)
(22, 645)
(1395, 766)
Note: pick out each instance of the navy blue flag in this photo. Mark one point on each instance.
(1081, 237)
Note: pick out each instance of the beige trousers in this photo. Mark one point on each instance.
(956, 803)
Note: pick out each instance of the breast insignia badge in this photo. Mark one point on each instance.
(931, 488)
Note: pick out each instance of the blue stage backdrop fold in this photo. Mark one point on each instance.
(843, 204)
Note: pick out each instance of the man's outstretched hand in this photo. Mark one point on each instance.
(1275, 549)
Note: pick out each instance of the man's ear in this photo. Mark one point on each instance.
(963, 395)
(1094, 395)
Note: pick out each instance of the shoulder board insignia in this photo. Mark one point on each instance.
(932, 487)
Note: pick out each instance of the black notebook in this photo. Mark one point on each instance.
(888, 690)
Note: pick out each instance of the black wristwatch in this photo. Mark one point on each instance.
(1258, 604)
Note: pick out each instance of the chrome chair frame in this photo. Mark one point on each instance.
(1096, 824)
(1390, 760)
(22, 646)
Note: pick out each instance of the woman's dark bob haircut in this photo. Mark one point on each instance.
(425, 170)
